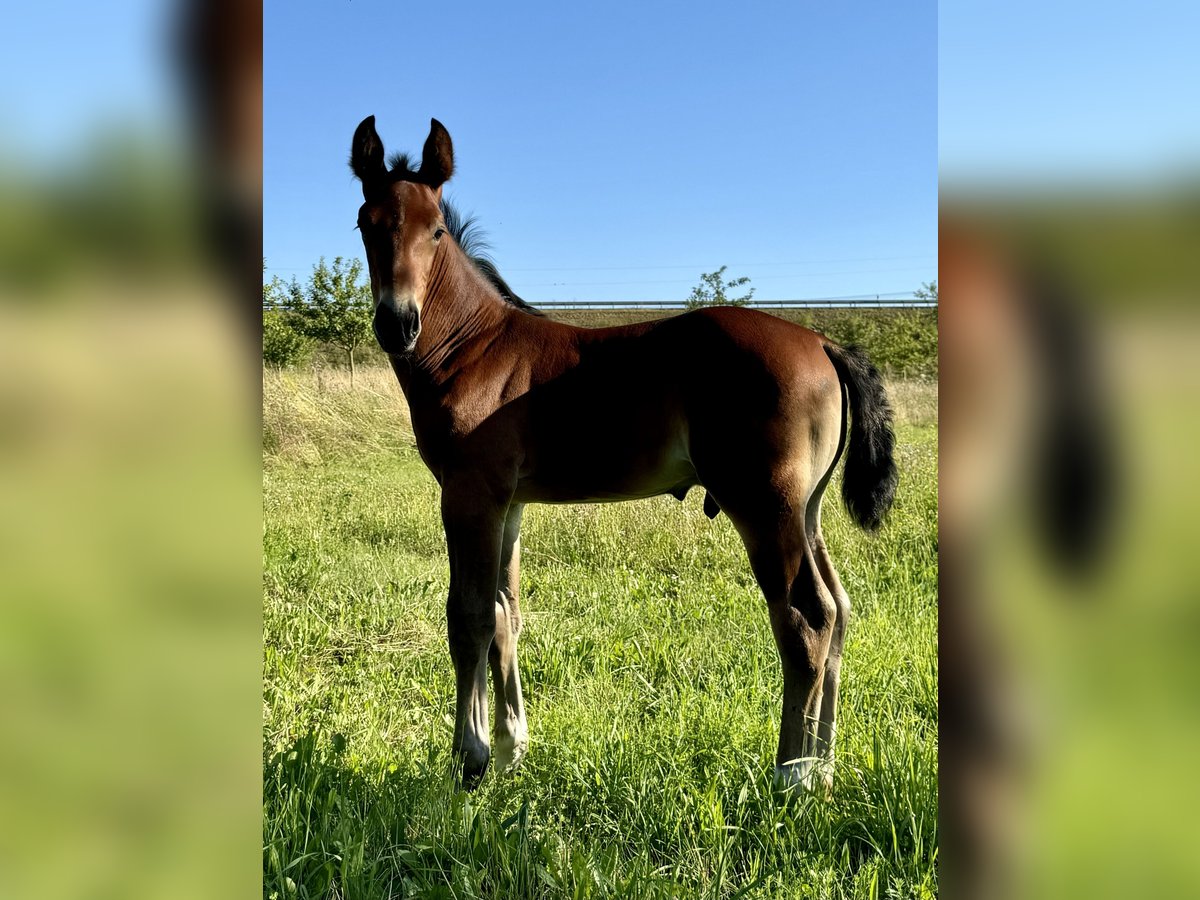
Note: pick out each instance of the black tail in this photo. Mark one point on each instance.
(869, 482)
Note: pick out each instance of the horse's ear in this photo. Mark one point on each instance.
(437, 159)
(366, 153)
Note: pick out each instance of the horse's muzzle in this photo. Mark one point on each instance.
(397, 326)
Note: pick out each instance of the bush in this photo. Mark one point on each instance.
(283, 345)
(903, 343)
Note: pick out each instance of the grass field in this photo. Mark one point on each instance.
(651, 680)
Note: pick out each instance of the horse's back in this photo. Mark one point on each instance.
(651, 407)
(781, 344)
(744, 359)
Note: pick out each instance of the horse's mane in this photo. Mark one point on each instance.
(468, 235)
(470, 238)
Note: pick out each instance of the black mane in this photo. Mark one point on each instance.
(470, 238)
(467, 234)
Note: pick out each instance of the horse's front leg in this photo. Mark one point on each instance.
(512, 734)
(474, 524)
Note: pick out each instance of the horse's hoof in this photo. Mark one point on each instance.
(804, 777)
(509, 751)
(471, 777)
(474, 767)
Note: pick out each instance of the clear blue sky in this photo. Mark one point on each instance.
(71, 69)
(615, 151)
(1068, 92)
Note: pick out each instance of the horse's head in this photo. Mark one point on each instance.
(401, 224)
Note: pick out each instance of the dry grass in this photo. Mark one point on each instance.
(915, 402)
(315, 415)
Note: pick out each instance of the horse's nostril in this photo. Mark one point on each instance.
(396, 328)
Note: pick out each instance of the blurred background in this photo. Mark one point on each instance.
(130, 646)
(1069, 156)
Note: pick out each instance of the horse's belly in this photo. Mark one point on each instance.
(602, 472)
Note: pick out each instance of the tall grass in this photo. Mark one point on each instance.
(650, 674)
(317, 414)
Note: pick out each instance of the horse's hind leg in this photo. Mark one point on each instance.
(803, 615)
(826, 726)
(511, 734)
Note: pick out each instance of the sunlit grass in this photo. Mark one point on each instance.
(651, 680)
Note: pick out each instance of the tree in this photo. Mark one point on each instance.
(275, 292)
(283, 343)
(711, 291)
(334, 306)
(927, 291)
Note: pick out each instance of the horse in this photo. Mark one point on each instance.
(1028, 410)
(510, 408)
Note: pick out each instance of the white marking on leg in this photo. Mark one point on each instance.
(511, 745)
(795, 774)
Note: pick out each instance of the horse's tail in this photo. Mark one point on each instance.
(869, 482)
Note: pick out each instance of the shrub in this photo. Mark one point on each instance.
(283, 345)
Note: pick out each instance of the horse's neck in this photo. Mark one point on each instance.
(460, 311)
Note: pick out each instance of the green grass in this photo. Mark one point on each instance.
(651, 680)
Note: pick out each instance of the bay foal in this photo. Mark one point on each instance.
(510, 408)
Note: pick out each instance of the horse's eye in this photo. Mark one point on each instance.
(437, 234)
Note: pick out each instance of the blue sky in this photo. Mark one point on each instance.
(616, 151)
(69, 69)
(1068, 92)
